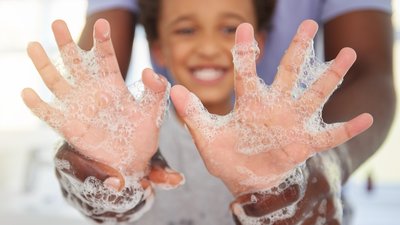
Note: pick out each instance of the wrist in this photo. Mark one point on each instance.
(265, 178)
(316, 196)
(89, 186)
(273, 203)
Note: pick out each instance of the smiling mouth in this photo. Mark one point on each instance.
(208, 74)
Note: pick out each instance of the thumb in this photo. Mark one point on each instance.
(162, 175)
(192, 112)
(166, 178)
(82, 167)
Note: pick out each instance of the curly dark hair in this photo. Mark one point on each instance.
(150, 11)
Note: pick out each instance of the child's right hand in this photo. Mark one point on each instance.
(94, 110)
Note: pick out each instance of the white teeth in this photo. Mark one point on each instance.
(208, 74)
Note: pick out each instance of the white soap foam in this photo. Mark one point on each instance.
(62, 164)
(97, 102)
(266, 119)
(102, 199)
(256, 123)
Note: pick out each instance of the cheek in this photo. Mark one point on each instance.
(175, 54)
(176, 57)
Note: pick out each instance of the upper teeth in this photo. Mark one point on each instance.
(208, 74)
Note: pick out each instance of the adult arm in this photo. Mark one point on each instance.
(122, 22)
(369, 85)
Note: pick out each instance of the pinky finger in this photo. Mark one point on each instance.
(344, 132)
(40, 108)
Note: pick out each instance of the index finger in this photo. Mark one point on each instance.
(291, 62)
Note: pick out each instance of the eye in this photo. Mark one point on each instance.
(229, 29)
(185, 31)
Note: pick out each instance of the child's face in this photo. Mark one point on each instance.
(195, 39)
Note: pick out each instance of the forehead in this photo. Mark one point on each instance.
(174, 9)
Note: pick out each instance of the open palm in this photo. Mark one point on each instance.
(272, 129)
(94, 110)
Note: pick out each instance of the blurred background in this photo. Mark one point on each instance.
(29, 192)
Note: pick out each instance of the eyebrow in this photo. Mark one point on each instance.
(190, 17)
(232, 15)
(180, 19)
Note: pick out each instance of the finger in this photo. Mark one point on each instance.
(104, 49)
(81, 167)
(102, 38)
(266, 203)
(244, 54)
(52, 116)
(342, 133)
(153, 81)
(157, 85)
(165, 177)
(61, 34)
(50, 76)
(180, 97)
(191, 110)
(294, 57)
(40, 108)
(319, 92)
(70, 129)
(70, 52)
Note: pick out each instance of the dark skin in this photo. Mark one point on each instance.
(123, 23)
(368, 87)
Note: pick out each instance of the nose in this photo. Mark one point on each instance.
(209, 45)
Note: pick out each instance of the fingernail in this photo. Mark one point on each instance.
(30, 44)
(106, 33)
(158, 78)
(113, 183)
(307, 33)
(102, 30)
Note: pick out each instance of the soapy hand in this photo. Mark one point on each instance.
(272, 129)
(94, 110)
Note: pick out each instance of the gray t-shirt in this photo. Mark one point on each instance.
(203, 199)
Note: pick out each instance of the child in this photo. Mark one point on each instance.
(105, 171)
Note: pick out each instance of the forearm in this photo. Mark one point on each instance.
(368, 94)
(368, 86)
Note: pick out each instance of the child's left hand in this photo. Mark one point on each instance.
(267, 134)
